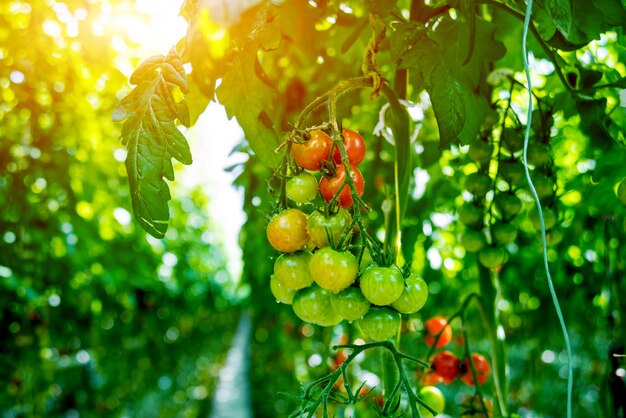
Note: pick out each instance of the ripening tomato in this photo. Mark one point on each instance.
(382, 285)
(355, 148)
(447, 365)
(350, 303)
(432, 397)
(329, 187)
(333, 270)
(321, 227)
(413, 297)
(286, 232)
(380, 324)
(313, 152)
(429, 379)
(283, 294)
(301, 188)
(433, 326)
(292, 270)
(482, 367)
(312, 305)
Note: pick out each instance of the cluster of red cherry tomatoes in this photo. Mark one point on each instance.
(319, 272)
(446, 366)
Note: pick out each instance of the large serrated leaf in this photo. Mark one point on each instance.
(245, 96)
(152, 138)
(446, 95)
(560, 11)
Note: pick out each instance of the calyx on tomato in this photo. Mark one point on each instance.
(354, 145)
(313, 152)
(333, 270)
(320, 227)
(330, 186)
(286, 232)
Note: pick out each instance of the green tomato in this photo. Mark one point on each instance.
(470, 214)
(380, 324)
(292, 270)
(413, 296)
(350, 304)
(382, 285)
(302, 188)
(538, 154)
(511, 171)
(432, 397)
(478, 184)
(480, 151)
(504, 233)
(472, 240)
(313, 305)
(544, 186)
(333, 270)
(492, 257)
(621, 191)
(321, 227)
(282, 293)
(508, 204)
(513, 139)
(549, 217)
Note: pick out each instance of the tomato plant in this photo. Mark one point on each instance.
(434, 398)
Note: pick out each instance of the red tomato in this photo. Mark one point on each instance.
(330, 186)
(355, 148)
(433, 327)
(430, 379)
(482, 367)
(311, 154)
(447, 365)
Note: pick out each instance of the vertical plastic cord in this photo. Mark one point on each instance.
(555, 299)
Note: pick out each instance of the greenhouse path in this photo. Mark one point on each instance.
(232, 396)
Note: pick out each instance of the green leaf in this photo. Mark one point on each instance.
(248, 98)
(446, 95)
(590, 18)
(476, 109)
(152, 138)
(560, 11)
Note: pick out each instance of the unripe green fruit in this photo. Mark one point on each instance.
(472, 240)
(504, 233)
(480, 151)
(478, 184)
(302, 188)
(469, 214)
(350, 303)
(492, 257)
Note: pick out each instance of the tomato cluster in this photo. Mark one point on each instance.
(447, 367)
(321, 272)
